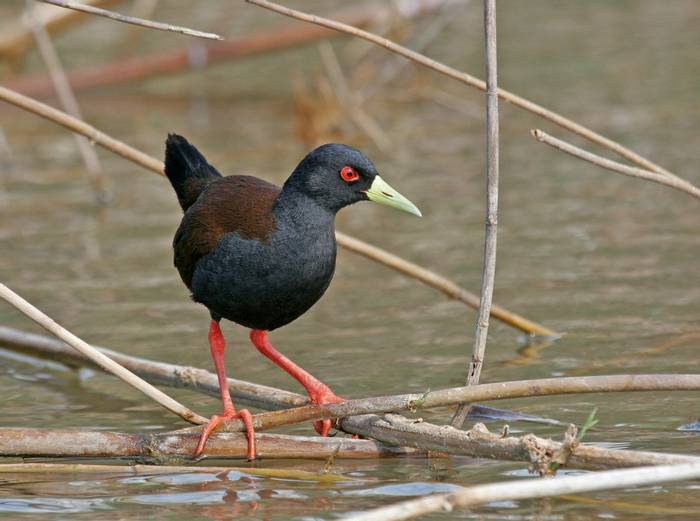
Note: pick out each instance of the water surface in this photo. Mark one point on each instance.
(611, 261)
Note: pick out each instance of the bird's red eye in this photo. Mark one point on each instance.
(349, 174)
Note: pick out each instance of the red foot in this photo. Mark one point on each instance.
(243, 415)
(320, 396)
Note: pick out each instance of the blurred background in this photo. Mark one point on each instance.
(608, 260)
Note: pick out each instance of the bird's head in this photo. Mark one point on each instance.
(338, 175)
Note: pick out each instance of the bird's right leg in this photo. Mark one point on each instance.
(217, 344)
(319, 393)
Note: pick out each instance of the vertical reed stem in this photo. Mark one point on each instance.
(488, 274)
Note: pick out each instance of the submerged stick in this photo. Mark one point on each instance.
(614, 166)
(149, 24)
(467, 79)
(356, 245)
(103, 361)
(529, 489)
(164, 447)
(150, 470)
(488, 272)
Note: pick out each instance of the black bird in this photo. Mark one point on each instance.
(260, 256)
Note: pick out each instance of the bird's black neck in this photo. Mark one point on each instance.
(293, 206)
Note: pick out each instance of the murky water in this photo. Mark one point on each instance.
(611, 261)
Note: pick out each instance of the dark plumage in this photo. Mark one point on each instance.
(259, 255)
(251, 253)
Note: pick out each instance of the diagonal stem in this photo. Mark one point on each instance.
(614, 166)
(470, 80)
(99, 358)
(149, 24)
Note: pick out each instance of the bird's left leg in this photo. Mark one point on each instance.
(217, 345)
(319, 393)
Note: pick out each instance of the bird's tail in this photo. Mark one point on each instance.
(187, 170)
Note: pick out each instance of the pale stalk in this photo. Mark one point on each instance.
(488, 271)
(98, 358)
(515, 490)
(149, 24)
(603, 162)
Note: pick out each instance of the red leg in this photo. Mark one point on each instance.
(217, 345)
(319, 393)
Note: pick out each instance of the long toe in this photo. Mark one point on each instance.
(216, 420)
(208, 429)
(247, 420)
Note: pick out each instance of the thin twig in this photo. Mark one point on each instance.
(488, 272)
(355, 245)
(468, 79)
(100, 359)
(530, 488)
(68, 100)
(483, 392)
(76, 6)
(614, 166)
(129, 41)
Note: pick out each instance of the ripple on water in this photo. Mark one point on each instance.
(51, 505)
(404, 489)
(202, 497)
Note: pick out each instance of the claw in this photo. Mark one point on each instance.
(322, 396)
(323, 427)
(216, 420)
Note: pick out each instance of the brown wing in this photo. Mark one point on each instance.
(241, 204)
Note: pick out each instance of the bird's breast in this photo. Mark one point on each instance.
(266, 284)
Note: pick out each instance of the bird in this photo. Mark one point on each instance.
(260, 255)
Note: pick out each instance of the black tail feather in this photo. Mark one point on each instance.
(187, 170)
